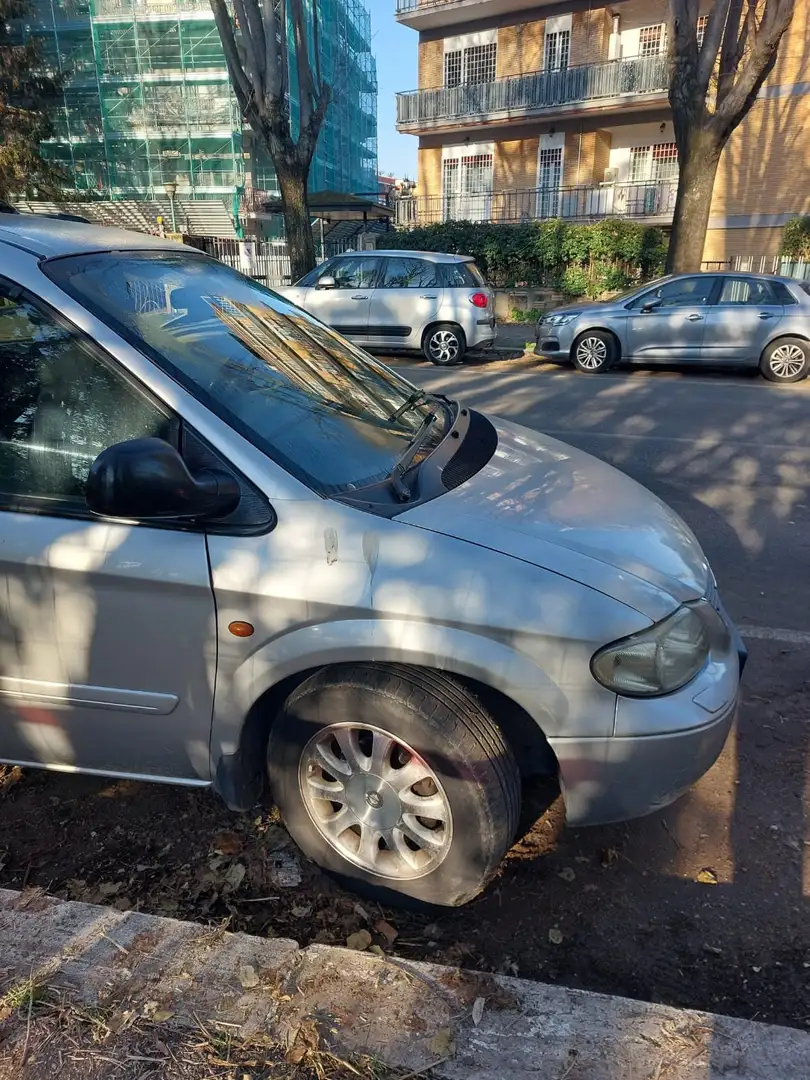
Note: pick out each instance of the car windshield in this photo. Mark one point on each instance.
(306, 397)
(628, 294)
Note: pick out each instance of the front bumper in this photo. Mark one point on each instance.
(554, 342)
(628, 774)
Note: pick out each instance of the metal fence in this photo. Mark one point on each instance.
(654, 200)
(762, 264)
(537, 90)
(265, 260)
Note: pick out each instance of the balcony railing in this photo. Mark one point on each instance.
(536, 91)
(653, 201)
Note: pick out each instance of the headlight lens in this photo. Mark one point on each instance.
(655, 661)
(560, 320)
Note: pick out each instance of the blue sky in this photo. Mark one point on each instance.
(395, 48)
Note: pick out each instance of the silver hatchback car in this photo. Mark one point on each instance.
(238, 550)
(439, 304)
(705, 318)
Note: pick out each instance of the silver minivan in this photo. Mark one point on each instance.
(439, 304)
(238, 550)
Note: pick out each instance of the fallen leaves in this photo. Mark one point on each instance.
(248, 977)
(555, 935)
(478, 1010)
(359, 941)
(707, 876)
(228, 843)
(443, 1043)
(568, 874)
(234, 876)
(386, 930)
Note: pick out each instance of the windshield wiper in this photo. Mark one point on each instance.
(415, 398)
(400, 489)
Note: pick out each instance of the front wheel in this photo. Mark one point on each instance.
(786, 360)
(396, 781)
(444, 344)
(594, 351)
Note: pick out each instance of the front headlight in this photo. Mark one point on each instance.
(655, 661)
(560, 320)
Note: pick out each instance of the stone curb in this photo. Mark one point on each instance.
(409, 1015)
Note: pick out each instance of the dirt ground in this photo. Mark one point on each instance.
(705, 905)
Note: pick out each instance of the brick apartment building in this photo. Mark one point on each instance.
(533, 110)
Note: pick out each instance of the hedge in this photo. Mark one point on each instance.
(796, 238)
(578, 259)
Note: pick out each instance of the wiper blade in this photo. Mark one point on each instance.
(401, 490)
(416, 398)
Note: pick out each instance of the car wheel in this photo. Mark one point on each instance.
(594, 351)
(786, 360)
(396, 781)
(444, 344)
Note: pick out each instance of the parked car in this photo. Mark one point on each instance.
(437, 303)
(704, 318)
(236, 549)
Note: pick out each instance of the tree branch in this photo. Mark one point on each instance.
(251, 66)
(712, 38)
(242, 87)
(274, 86)
(307, 99)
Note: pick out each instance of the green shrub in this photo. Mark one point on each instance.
(521, 315)
(796, 238)
(608, 255)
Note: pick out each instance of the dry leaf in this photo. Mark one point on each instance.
(555, 936)
(478, 1010)
(361, 911)
(227, 843)
(707, 876)
(567, 874)
(359, 941)
(443, 1044)
(300, 911)
(234, 876)
(387, 931)
(161, 1016)
(376, 949)
(248, 977)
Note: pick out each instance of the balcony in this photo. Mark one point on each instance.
(587, 88)
(653, 202)
(427, 14)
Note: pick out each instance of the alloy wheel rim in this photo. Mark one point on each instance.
(787, 361)
(375, 801)
(443, 346)
(592, 353)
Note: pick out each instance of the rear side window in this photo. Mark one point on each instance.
(782, 293)
(745, 291)
(409, 274)
(462, 275)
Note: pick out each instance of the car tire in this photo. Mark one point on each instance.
(786, 360)
(390, 718)
(594, 351)
(444, 344)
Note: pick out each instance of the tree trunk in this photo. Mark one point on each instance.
(698, 168)
(300, 244)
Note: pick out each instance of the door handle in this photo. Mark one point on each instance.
(359, 298)
(766, 314)
(428, 296)
(694, 318)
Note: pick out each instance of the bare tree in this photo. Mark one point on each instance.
(711, 90)
(255, 46)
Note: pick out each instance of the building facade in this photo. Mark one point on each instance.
(147, 100)
(535, 110)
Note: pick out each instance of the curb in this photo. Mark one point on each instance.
(412, 1016)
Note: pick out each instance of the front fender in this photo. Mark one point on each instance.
(238, 775)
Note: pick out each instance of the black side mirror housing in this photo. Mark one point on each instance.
(146, 479)
(651, 306)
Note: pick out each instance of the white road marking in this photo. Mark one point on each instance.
(774, 633)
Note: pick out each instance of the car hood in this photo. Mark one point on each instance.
(549, 504)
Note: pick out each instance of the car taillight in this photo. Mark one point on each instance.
(479, 299)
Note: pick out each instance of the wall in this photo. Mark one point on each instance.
(721, 244)
(520, 48)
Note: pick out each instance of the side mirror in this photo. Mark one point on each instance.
(147, 479)
(326, 282)
(651, 306)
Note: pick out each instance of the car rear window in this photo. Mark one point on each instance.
(462, 275)
(805, 287)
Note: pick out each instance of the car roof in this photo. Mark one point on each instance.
(53, 236)
(430, 256)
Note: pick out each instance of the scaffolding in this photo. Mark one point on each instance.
(147, 101)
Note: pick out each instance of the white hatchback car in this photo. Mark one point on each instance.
(423, 300)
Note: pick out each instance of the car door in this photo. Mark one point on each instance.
(667, 323)
(742, 321)
(345, 305)
(107, 628)
(407, 299)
